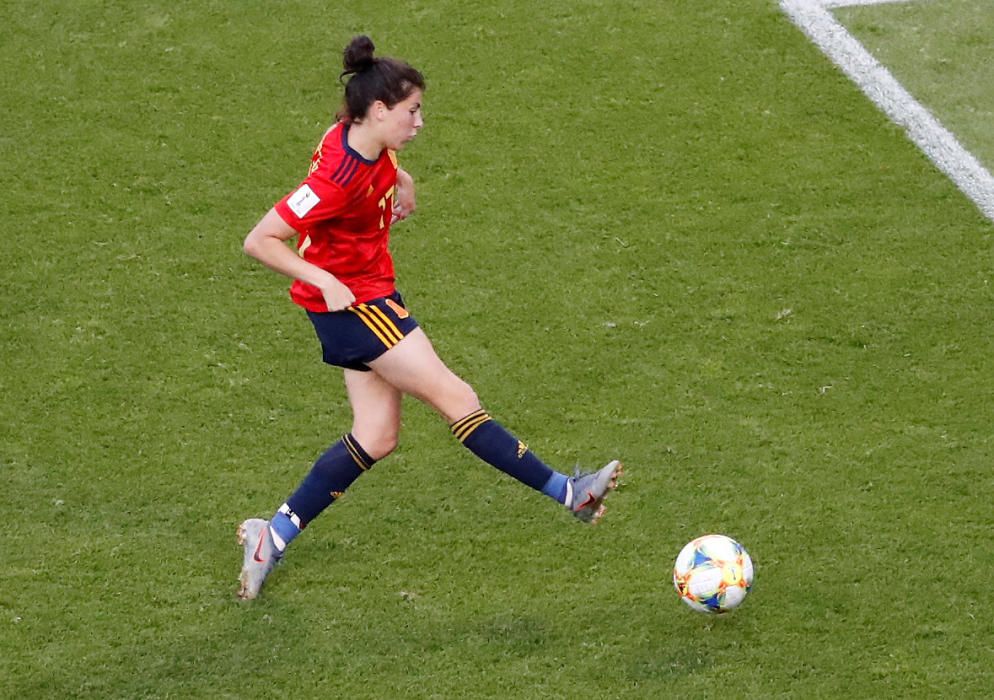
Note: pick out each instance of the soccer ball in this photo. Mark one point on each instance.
(712, 574)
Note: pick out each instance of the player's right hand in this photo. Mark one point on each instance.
(337, 296)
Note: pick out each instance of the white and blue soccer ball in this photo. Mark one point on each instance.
(713, 574)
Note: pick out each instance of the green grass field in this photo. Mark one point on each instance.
(667, 232)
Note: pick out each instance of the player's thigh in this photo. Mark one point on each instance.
(413, 367)
(376, 406)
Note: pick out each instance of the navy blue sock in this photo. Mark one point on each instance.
(491, 442)
(332, 473)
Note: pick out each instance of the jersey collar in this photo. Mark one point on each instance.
(351, 151)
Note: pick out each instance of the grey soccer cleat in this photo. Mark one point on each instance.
(587, 491)
(260, 557)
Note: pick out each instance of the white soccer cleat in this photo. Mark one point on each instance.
(587, 492)
(260, 556)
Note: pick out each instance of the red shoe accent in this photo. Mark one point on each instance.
(591, 499)
(258, 547)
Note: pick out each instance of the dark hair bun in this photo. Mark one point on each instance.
(358, 54)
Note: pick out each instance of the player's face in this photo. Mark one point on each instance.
(403, 121)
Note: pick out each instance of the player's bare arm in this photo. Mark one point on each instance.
(267, 244)
(404, 201)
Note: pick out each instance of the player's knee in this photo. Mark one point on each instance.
(462, 400)
(468, 396)
(383, 447)
(377, 444)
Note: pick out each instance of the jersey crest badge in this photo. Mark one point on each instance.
(302, 201)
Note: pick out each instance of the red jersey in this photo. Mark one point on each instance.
(342, 212)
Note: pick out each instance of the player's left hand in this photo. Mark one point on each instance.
(404, 200)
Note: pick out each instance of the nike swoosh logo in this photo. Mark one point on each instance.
(258, 548)
(591, 499)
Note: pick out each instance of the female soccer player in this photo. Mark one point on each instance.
(344, 278)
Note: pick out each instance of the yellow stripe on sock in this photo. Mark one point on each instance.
(467, 430)
(355, 453)
(466, 419)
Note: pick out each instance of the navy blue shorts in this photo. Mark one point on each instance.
(361, 333)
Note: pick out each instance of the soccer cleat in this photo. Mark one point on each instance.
(260, 557)
(587, 491)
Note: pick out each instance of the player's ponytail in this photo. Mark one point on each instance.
(370, 79)
(358, 55)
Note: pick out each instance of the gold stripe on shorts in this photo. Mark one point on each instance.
(387, 322)
(388, 333)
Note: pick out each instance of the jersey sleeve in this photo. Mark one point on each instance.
(314, 201)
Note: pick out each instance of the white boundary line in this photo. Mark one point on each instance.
(877, 83)
(848, 3)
